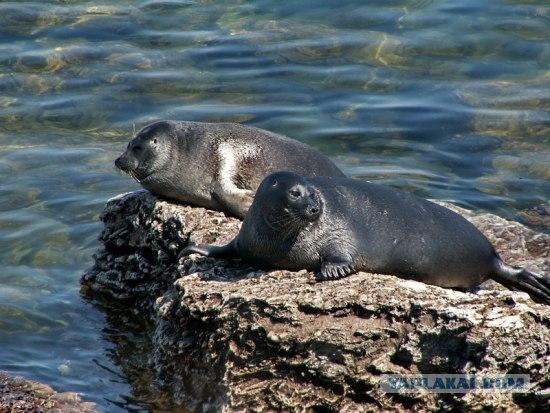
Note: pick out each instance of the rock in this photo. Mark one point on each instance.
(21, 395)
(227, 336)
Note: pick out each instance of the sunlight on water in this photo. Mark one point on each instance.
(446, 99)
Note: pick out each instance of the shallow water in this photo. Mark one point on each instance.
(447, 99)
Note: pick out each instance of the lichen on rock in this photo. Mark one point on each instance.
(228, 336)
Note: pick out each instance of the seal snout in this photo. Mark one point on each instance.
(305, 201)
(312, 209)
(311, 213)
(124, 163)
(118, 163)
(312, 206)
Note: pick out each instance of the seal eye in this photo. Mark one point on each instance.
(274, 183)
(294, 193)
(155, 140)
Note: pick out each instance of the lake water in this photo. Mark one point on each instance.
(448, 99)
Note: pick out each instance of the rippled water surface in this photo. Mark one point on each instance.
(448, 99)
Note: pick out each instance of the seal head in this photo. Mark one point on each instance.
(147, 154)
(287, 201)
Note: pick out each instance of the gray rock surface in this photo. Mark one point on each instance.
(226, 336)
(18, 395)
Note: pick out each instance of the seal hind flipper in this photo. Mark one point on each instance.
(214, 251)
(520, 279)
(334, 270)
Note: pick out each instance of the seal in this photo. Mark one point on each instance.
(338, 226)
(215, 165)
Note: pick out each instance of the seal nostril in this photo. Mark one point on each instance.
(314, 210)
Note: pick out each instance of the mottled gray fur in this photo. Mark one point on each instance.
(215, 165)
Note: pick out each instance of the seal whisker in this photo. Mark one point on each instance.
(290, 228)
(289, 219)
(284, 220)
(132, 173)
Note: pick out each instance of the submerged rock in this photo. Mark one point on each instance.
(227, 336)
(21, 395)
(537, 216)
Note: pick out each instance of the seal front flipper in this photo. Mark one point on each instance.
(333, 270)
(520, 279)
(214, 251)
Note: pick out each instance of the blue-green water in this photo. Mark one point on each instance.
(448, 99)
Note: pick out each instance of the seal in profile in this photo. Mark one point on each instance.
(215, 165)
(338, 226)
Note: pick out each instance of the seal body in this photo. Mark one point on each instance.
(338, 226)
(368, 227)
(215, 165)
